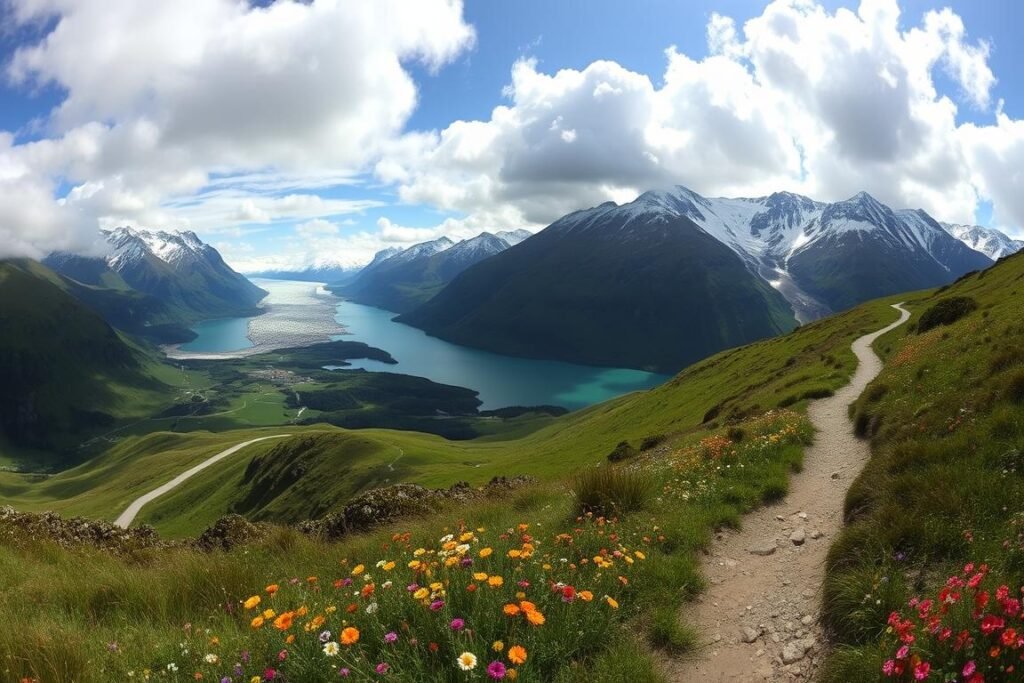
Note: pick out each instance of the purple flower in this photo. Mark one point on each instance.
(226, 679)
(344, 672)
(113, 647)
(238, 670)
(436, 605)
(245, 656)
(458, 624)
(390, 637)
(383, 667)
(467, 562)
(325, 636)
(412, 587)
(496, 670)
(347, 581)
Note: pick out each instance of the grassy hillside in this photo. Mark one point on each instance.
(64, 373)
(725, 389)
(944, 487)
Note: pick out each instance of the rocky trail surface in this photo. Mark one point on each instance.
(759, 616)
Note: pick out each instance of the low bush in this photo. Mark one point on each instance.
(622, 451)
(946, 312)
(652, 441)
(609, 490)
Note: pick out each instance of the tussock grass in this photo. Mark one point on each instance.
(607, 490)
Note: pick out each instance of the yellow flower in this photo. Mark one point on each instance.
(359, 569)
(415, 564)
(436, 586)
(255, 679)
(467, 536)
(269, 614)
(418, 552)
(612, 602)
(497, 646)
(480, 576)
(640, 555)
(252, 602)
(257, 622)
(290, 639)
(495, 581)
(485, 552)
(388, 566)
(421, 594)
(515, 554)
(511, 674)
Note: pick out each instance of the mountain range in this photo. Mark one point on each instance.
(989, 241)
(157, 280)
(673, 276)
(400, 280)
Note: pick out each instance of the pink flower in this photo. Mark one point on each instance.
(390, 637)
(383, 667)
(921, 671)
(903, 652)
(969, 668)
(496, 670)
(436, 605)
(889, 668)
(458, 624)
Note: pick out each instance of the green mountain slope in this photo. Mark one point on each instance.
(63, 370)
(601, 288)
(944, 487)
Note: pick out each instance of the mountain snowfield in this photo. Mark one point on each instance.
(785, 236)
(988, 241)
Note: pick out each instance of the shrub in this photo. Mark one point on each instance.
(652, 441)
(875, 393)
(736, 434)
(1005, 360)
(818, 392)
(946, 312)
(623, 451)
(611, 490)
(1015, 388)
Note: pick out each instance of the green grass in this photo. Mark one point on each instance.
(730, 386)
(946, 478)
(63, 608)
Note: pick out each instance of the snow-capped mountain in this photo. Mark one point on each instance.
(821, 257)
(989, 241)
(410, 276)
(176, 268)
(514, 237)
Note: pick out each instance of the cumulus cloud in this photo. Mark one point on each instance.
(162, 98)
(798, 98)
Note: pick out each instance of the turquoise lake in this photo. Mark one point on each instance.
(500, 380)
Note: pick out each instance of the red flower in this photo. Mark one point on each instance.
(990, 623)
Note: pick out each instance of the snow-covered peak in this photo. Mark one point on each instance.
(993, 243)
(423, 249)
(129, 244)
(514, 237)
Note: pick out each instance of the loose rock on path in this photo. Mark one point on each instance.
(758, 619)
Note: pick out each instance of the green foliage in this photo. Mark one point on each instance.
(943, 483)
(945, 312)
(622, 451)
(607, 490)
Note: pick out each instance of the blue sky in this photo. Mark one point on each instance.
(316, 163)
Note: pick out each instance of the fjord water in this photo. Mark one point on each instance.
(501, 380)
(221, 335)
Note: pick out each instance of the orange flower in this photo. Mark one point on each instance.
(612, 602)
(527, 606)
(495, 581)
(350, 636)
(535, 618)
(284, 621)
(257, 622)
(272, 588)
(511, 610)
(585, 596)
(517, 654)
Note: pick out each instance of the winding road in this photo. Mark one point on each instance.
(126, 518)
(758, 619)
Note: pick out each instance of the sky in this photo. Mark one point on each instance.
(291, 134)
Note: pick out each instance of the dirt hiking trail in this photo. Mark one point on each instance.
(758, 619)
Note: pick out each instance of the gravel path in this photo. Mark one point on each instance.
(759, 616)
(126, 518)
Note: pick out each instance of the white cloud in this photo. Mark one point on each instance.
(163, 98)
(315, 228)
(798, 99)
